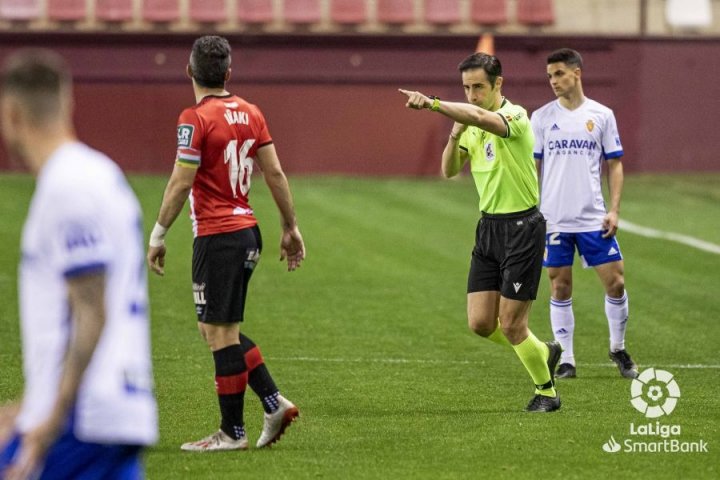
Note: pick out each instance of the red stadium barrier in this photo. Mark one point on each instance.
(344, 115)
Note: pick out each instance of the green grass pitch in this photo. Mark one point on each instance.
(369, 338)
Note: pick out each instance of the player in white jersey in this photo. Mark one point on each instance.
(88, 406)
(574, 136)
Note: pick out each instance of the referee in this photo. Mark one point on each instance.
(506, 263)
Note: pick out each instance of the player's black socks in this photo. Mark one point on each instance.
(259, 377)
(231, 378)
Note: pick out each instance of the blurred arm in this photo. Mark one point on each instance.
(87, 303)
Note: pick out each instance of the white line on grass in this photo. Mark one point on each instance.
(674, 237)
(425, 361)
(370, 360)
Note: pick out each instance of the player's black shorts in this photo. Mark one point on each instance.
(221, 269)
(508, 254)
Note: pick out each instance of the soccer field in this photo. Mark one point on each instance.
(369, 339)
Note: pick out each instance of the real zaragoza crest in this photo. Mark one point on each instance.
(589, 125)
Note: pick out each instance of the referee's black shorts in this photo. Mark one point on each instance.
(508, 254)
(221, 269)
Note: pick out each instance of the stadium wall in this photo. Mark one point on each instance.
(332, 102)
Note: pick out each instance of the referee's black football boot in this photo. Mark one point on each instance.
(625, 364)
(543, 404)
(566, 370)
(554, 352)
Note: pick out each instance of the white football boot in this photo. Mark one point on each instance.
(276, 422)
(216, 442)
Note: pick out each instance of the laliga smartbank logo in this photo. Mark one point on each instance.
(654, 393)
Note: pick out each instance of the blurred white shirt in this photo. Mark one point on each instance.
(84, 217)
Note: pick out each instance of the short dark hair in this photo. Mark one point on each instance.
(210, 60)
(568, 56)
(490, 63)
(40, 78)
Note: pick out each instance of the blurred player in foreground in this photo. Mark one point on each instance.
(88, 407)
(574, 135)
(218, 140)
(506, 263)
